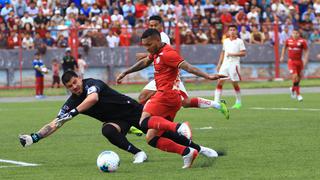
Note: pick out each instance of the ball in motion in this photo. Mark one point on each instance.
(108, 161)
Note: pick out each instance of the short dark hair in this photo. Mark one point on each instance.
(67, 76)
(150, 32)
(155, 18)
(232, 26)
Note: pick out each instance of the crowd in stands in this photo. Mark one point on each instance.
(43, 24)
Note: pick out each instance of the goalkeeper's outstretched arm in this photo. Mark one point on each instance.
(46, 130)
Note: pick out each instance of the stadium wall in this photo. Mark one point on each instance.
(106, 63)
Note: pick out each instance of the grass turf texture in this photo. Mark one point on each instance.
(189, 87)
(260, 144)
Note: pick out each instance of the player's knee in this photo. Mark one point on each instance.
(153, 141)
(144, 124)
(109, 130)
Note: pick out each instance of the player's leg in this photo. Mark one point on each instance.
(116, 135)
(155, 139)
(235, 77)
(203, 103)
(236, 88)
(41, 86)
(188, 142)
(218, 91)
(149, 90)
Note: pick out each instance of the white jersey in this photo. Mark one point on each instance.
(152, 84)
(231, 65)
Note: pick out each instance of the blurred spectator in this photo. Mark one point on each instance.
(256, 36)
(95, 10)
(13, 40)
(135, 37)
(20, 7)
(86, 42)
(48, 40)
(267, 37)
(268, 14)
(55, 66)
(82, 66)
(316, 6)
(40, 19)
(315, 36)
(254, 14)
(6, 10)
(57, 18)
(214, 36)
(116, 16)
(226, 18)
(131, 19)
(241, 18)
(27, 42)
(202, 37)
(3, 41)
(26, 19)
(32, 9)
(62, 42)
(244, 34)
(128, 7)
(69, 62)
(72, 9)
(112, 40)
(85, 10)
(140, 8)
(39, 44)
(189, 38)
(309, 14)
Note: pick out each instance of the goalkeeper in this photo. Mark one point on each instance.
(116, 111)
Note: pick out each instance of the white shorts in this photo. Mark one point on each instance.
(152, 87)
(231, 69)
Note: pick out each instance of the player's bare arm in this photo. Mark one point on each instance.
(191, 69)
(221, 58)
(88, 102)
(136, 67)
(239, 54)
(284, 49)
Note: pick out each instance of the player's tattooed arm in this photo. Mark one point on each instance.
(50, 128)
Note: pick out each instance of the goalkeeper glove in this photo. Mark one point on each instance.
(27, 140)
(67, 116)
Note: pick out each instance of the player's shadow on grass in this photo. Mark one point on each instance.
(208, 162)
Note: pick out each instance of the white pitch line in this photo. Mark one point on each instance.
(204, 128)
(19, 163)
(285, 109)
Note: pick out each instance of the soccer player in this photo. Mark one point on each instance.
(296, 46)
(160, 110)
(229, 64)
(116, 111)
(155, 22)
(38, 67)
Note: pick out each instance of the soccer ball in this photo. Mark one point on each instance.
(108, 161)
(44, 70)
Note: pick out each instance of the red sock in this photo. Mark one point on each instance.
(237, 88)
(194, 102)
(219, 87)
(160, 123)
(168, 145)
(297, 89)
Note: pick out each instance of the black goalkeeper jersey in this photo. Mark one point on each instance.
(111, 106)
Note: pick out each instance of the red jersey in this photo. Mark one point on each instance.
(166, 71)
(295, 48)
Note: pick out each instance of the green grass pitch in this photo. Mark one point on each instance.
(268, 143)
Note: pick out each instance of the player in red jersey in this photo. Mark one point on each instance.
(161, 108)
(296, 46)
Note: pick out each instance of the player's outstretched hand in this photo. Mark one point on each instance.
(120, 77)
(217, 76)
(67, 116)
(27, 140)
